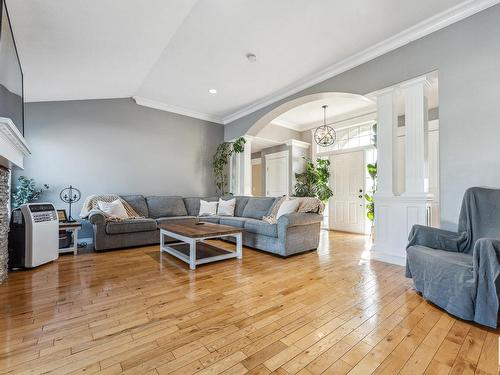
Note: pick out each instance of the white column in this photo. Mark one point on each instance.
(396, 214)
(246, 165)
(416, 136)
(314, 147)
(241, 170)
(386, 138)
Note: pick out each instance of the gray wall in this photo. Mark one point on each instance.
(117, 146)
(278, 133)
(467, 56)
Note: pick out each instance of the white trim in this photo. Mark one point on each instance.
(387, 258)
(257, 161)
(13, 146)
(296, 143)
(12, 133)
(174, 109)
(276, 155)
(285, 124)
(344, 151)
(421, 29)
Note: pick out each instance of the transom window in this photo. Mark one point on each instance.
(351, 137)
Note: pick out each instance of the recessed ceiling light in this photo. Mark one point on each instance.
(251, 57)
(212, 91)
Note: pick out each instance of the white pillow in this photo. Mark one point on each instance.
(226, 208)
(207, 208)
(287, 207)
(114, 209)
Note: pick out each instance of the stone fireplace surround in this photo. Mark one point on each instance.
(13, 150)
(4, 220)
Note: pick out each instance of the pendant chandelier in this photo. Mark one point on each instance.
(325, 135)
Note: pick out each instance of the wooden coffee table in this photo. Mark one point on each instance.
(191, 247)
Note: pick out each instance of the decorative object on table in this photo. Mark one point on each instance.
(26, 191)
(314, 182)
(325, 135)
(62, 216)
(220, 161)
(70, 195)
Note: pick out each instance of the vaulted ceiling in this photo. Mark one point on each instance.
(169, 53)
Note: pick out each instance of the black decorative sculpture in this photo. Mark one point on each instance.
(70, 195)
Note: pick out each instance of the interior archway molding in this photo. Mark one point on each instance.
(291, 104)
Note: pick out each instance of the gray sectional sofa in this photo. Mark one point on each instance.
(294, 233)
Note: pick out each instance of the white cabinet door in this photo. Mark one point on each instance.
(347, 180)
(277, 176)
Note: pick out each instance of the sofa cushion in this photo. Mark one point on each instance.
(138, 203)
(163, 220)
(163, 206)
(241, 202)
(257, 208)
(193, 204)
(237, 222)
(261, 227)
(210, 219)
(130, 226)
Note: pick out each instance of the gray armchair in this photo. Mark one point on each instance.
(460, 271)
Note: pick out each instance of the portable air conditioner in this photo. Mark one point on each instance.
(33, 236)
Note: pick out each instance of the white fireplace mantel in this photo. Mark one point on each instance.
(13, 146)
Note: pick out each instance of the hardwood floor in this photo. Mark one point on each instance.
(326, 312)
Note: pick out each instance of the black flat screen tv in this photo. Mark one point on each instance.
(11, 74)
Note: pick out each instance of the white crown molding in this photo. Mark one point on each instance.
(285, 124)
(174, 109)
(421, 29)
(297, 143)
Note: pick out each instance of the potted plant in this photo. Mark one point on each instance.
(314, 181)
(26, 191)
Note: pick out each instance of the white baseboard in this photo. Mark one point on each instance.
(388, 258)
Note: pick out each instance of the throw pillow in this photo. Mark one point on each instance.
(207, 208)
(287, 207)
(271, 218)
(114, 209)
(226, 207)
(311, 204)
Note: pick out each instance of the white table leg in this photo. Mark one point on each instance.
(75, 241)
(239, 246)
(192, 254)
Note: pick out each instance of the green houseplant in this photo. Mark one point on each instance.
(370, 206)
(26, 191)
(313, 182)
(220, 161)
(369, 196)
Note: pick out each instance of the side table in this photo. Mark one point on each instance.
(72, 227)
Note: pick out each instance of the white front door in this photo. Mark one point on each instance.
(347, 180)
(277, 176)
